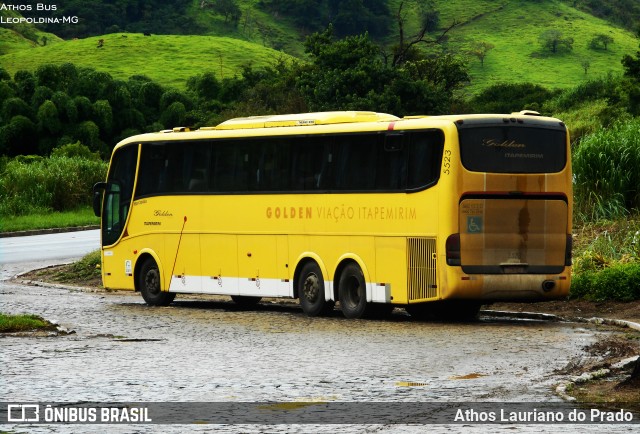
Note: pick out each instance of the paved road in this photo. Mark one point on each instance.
(20, 253)
(205, 350)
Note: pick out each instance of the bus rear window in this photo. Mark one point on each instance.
(513, 149)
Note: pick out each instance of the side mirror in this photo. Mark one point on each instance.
(98, 189)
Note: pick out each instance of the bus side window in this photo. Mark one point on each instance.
(273, 165)
(391, 168)
(356, 162)
(307, 162)
(229, 172)
(197, 162)
(152, 178)
(425, 157)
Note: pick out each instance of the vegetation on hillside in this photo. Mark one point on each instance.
(623, 12)
(512, 28)
(97, 17)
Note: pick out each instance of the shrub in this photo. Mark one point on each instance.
(511, 97)
(77, 149)
(606, 176)
(54, 184)
(619, 282)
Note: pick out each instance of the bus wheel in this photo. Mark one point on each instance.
(245, 301)
(149, 284)
(311, 291)
(352, 292)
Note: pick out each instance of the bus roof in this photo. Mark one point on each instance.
(303, 119)
(361, 120)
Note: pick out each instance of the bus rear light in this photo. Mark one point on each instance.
(452, 247)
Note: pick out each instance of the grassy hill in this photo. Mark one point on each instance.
(168, 59)
(512, 26)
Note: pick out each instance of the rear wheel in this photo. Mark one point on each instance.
(149, 284)
(311, 291)
(352, 292)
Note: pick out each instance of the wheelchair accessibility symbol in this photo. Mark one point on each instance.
(474, 224)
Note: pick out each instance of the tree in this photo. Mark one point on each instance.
(4, 75)
(480, 49)
(102, 115)
(48, 75)
(632, 74)
(205, 86)
(40, 95)
(554, 40)
(354, 17)
(632, 65)
(510, 97)
(585, 65)
(350, 74)
(66, 107)
(15, 106)
(25, 84)
(405, 49)
(88, 134)
(430, 16)
(48, 119)
(342, 72)
(173, 95)
(229, 9)
(600, 41)
(18, 137)
(174, 115)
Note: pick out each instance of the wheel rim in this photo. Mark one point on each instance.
(311, 287)
(152, 281)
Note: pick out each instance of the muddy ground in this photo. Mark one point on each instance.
(613, 383)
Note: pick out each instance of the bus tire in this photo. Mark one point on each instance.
(149, 284)
(311, 291)
(352, 292)
(245, 301)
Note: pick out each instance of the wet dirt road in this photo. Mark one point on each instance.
(207, 351)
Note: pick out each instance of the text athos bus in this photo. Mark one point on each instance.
(434, 214)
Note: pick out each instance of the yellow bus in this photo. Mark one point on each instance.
(434, 214)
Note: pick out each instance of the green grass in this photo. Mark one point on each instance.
(514, 26)
(85, 270)
(12, 37)
(47, 220)
(168, 59)
(22, 323)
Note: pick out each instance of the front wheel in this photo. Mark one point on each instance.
(149, 285)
